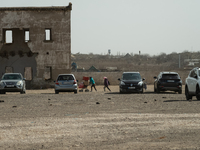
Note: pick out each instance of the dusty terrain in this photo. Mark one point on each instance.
(41, 119)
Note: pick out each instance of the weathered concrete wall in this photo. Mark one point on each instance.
(54, 53)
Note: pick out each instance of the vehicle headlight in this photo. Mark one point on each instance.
(122, 83)
(140, 83)
(19, 83)
(2, 84)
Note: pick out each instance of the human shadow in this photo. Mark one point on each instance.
(179, 101)
(145, 92)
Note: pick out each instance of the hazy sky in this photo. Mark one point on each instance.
(129, 26)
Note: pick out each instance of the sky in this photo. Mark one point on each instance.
(129, 26)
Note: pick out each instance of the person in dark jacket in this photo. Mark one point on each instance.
(93, 83)
(106, 83)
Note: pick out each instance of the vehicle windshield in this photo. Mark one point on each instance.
(131, 76)
(12, 77)
(170, 76)
(65, 77)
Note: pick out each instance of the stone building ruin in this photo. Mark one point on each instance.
(36, 42)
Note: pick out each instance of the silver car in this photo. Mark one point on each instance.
(66, 83)
(12, 82)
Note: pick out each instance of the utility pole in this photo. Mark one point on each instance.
(179, 61)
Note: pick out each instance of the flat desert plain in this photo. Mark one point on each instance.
(41, 120)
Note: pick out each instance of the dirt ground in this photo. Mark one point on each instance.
(41, 119)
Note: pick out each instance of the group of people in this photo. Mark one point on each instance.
(106, 84)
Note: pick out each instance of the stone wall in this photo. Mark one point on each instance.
(48, 54)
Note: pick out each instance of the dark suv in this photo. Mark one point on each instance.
(168, 81)
(131, 82)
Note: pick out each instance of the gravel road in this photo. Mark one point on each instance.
(41, 119)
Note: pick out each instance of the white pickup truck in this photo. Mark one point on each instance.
(192, 84)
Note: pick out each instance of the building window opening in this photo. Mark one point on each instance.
(47, 34)
(9, 69)
(27, 38)
(9, 37)
(47, 73)
(28, 73)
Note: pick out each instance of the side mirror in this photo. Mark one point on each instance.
(155, 77)
(24, 79)
(119, 79)
(76, 80)
(195, 76)
(143, 79)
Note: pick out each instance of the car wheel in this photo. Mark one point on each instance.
(158, 90)
(75, 92)
(187, 95)
(56, 92)
(120, 91)
(197, 93)
(23, 91)
(180, 92)
(2, 92)
(154, 89)
(142, 91)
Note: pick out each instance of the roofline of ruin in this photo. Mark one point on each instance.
(54, 8)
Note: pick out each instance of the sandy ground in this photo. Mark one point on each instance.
(41, 119)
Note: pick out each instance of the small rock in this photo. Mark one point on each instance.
(14, 106)
(163, 97)
(49, 99)
(109, 98)
(154, 99)
(97, 103)
(145, 102)
(50, 105)
(1, 101)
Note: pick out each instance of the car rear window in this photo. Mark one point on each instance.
(170, 76)
(12, 77)
(131, 76)
(65, 77)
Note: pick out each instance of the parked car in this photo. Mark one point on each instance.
(168, 81)
(131, 82)
(192, 84)
(65, 83)
(12, 82)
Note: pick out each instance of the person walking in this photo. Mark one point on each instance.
(106, 83)
(93, 83)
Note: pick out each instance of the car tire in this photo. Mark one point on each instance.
(157, 90)
(180, 92)
(154, 89)
(142, 91)
(187, 95)
(75, 92)
(2, 92)
(23, 91)
(197, 93)
(56, 92)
